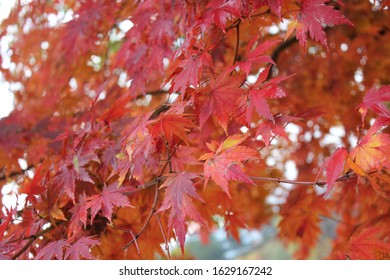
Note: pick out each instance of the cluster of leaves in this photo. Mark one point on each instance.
(138, 120)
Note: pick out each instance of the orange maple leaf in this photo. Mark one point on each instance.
(373, 151)
(366, 245)
(225, 162)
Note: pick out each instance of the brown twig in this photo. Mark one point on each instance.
(14, 174)
(275, 54)
(30, 241)
(305, 183)
(148, 219)
(336, 220)
(153, 209)
(164, 237)
(237, 43)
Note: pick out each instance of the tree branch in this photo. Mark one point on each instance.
(148, 219)
(31, 240)
(237, 43)
(3, 177)
(153, 209)
(342, 178)
(275, 54)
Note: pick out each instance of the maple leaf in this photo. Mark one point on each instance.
(81, 248)
(262, 89)
(372, 151)
(276, 6)
(374, 100)
(220, 11)
(268, 129)
(79, 217)
(220, 100)
(117, 110)
(6, 248)
(72, 169)
(4, 224)
(366, 245)
(311, 18)
(105, 201)
(138, 146)
(225, 162)
(179, 191)
(82, 29)
(270, 88)
(254, 55)
(52, 250)
(256, 100)
(167, 126)
(334, 166)
(34, 187)
(189, 70)
(301, 218)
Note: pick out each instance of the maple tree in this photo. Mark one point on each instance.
(140, 119)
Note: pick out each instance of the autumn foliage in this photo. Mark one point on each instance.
(140, 120)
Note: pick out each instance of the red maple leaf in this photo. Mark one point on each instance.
(34, 187)
(374, 100)
(256, 100)
(6, 249)
(72, 169)
(220, 11)
(52, 250)
(189, 70)
(268, 129)
(179, 190)
(260, 91)
(270, 88)
(170, 127)
(334, 166)
(138, 146)
(4, 224)
(81, 248)
(275, 5)
(311, 18)
(373, 150)
(220, 100)
(79, 217)
(224, 163)
(367, 245)
(105, 201)
(255, 54)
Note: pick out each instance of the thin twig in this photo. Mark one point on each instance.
(275, 54)
(237, 43)
(153, 209)
(164, 237)
(342, 178)
(3, 176)
(336, 220)
(32, 238)
(148, 219)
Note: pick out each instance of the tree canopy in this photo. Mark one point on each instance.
(137, 122)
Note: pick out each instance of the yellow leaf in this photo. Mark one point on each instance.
(57, 213)
(232, 141)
